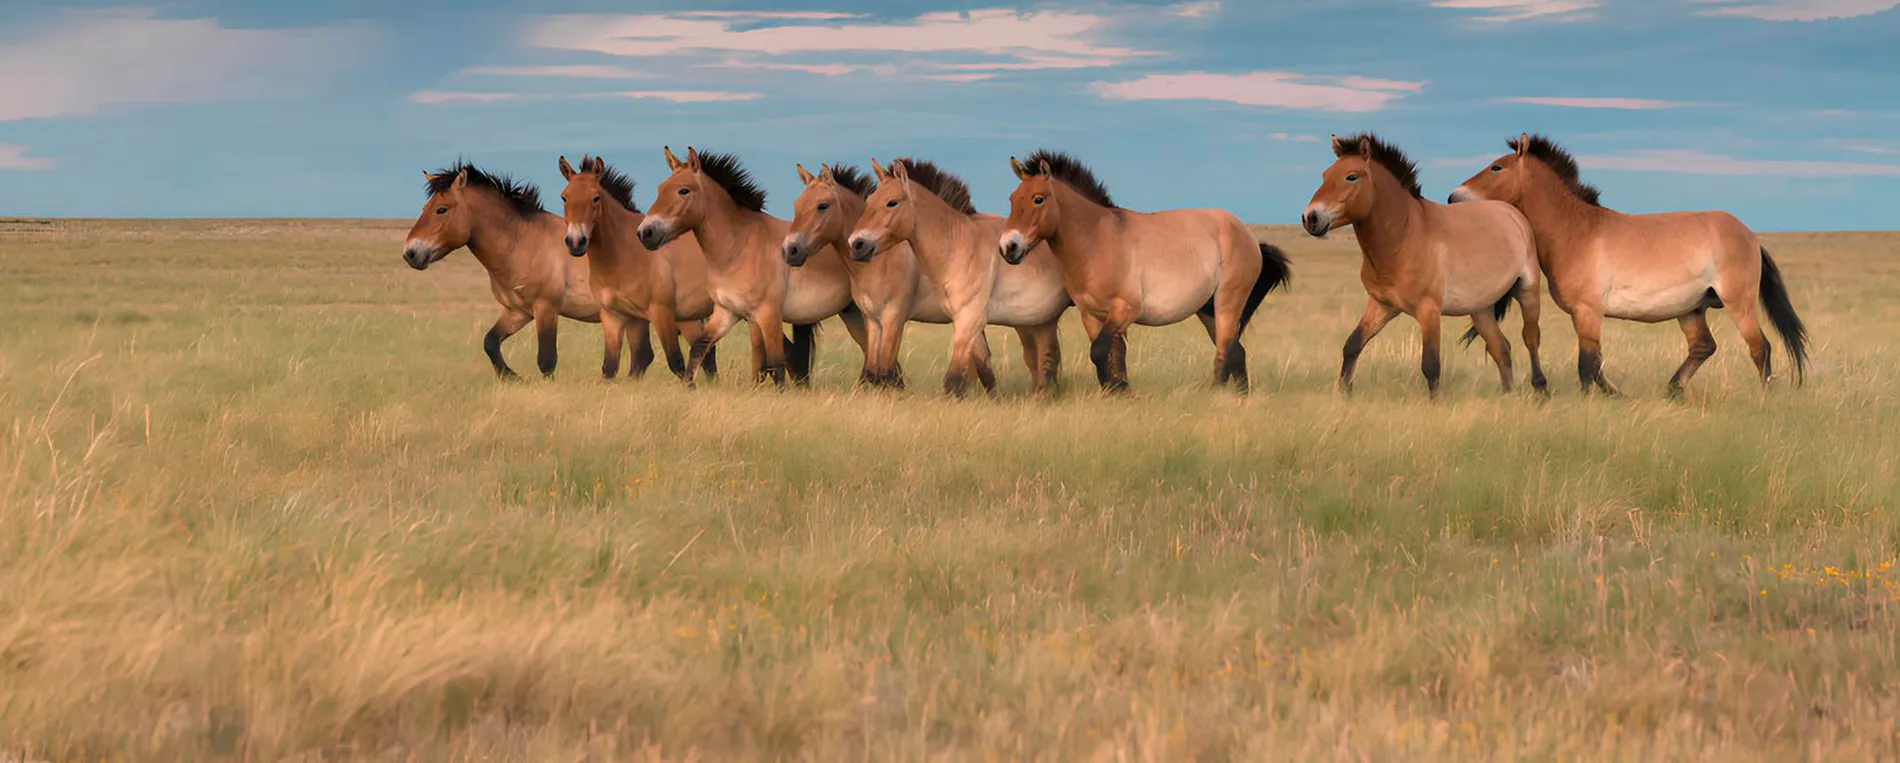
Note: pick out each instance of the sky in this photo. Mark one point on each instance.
(1781, 111)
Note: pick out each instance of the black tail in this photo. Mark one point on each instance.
(1275, 272)
(800, 352)
(1498, 311)
(1774, 298)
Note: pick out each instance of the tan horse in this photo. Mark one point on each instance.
(634, 287)
(1124, 267)
(1425, 259)
(1649, 268)
(712, 197)
(889, 291)
(929, 210)
(501, 221)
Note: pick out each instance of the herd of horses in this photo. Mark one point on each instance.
(905, 244)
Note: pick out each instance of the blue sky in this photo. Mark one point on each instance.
(1782, 111)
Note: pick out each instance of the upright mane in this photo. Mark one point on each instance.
(853, 179)
(1562, 163)
(724, 169)
(521, 194)
(946, 186)
(613, 181)
(1071, 171)
(1386, 155)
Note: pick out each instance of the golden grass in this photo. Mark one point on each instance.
(264, 501)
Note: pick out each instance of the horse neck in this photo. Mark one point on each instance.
(726, 229)
(1559, 220)
(495, 236)
(617, 226)
(1081, 218)
(850, 207)
(941, 228)
(1382, 235)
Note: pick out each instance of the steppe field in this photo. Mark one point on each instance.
(261, 499)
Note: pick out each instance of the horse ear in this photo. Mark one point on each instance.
(1017, 167)
(805, 176)
(693, 160)
(1045, 169)
(901, 172)
(828, 174)
(1365, 147)
(600, 164)
(1523, 144)
(672, 162)
(882, 173)
(1336, 145)
(567, 170)
(427, 178)
(461, 179)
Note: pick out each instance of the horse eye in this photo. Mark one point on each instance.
(1497, 168)
(1039, 200)
(824, 205)
(684, 191)
(441, 210)
(596, 199)
(892, 203)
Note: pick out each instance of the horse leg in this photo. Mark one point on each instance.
(1430, 326)
(641, 341)
(714, 330)
(771, 330)
(984, 372)
(666, 330)
(1093, 326)
(1695, 329)
(966, 329)
(892, 341)
(613, 331)
(873, 375)
(1230, 357)
(1374, 320)
(1529, 301)
(1743, 313)
(1494, 343)
(856, 323)
(1110, 348)
(547, 330)
(801, 354)
(1589, 325)
(508, 324)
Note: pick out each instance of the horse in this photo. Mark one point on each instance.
(889, 291)
(1123, 267)
(919, 205)
(501, 221)
(1601, 263)
(1427, 260)
(711, 196)
(634, 287)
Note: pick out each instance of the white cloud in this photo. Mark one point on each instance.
(572, 72)
(439, 97)
(82, 62)
(825, 70)
(1289, 90)
(13, 158)
(1501, 11)
(1627, 104)
(1043, 39)
(1197, 10)
(970, 77)
(1799, 10)
(1862, 147)
(1291, 138)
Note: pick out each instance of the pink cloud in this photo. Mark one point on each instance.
(1631, 104)
(13, 158)
(971, 77)
(683, 96)
(827, 70)
(574, 72)
(1289, 90)
(1505, 11)
(1198, 10)
(1799, 10)
(436, 97)
(446, 96)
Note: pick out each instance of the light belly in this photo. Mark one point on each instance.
(1652, 303)
(810, 300)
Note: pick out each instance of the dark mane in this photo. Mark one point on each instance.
(1386, 155)
(613, 181)
(853, 179)
(1562, 163)
(946, 186)
(521, 194)
(724, 169)
(1069, 170)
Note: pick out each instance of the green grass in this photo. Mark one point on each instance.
(263, 500)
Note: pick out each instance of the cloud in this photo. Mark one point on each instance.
(1685, 162)
(82, 62)
(1291, 138)
(1042, 39)
(1798, 10)
(1861, 147)
(573, 72)
(826, 70)
(1503, 11)
(1197, 10)
(440, 97)
(14, 159)
(970, 77)
(1288, 90)
(1629, 104)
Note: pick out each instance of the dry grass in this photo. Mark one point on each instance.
(263, 501)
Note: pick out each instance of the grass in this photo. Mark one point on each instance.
(263, 500)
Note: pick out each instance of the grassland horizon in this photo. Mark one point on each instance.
(264, 501)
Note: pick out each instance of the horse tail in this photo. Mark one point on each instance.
(1774, 298)
(1275, 271)
(1498, 311)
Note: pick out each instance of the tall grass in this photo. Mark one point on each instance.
(263, 500)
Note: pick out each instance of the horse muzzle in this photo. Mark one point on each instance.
(796, 253)
(1459, 194)
(577, 246)
(1013, 249)
(419, 258)
(1316, 224)
(863, 249)
(654, 236)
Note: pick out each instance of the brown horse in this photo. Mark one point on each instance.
(1125, 267)
(929, 210)
(1424, 259)
(1649, 268)
(712, 197)
(634, 287)
(889, 291)
(501, 221)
